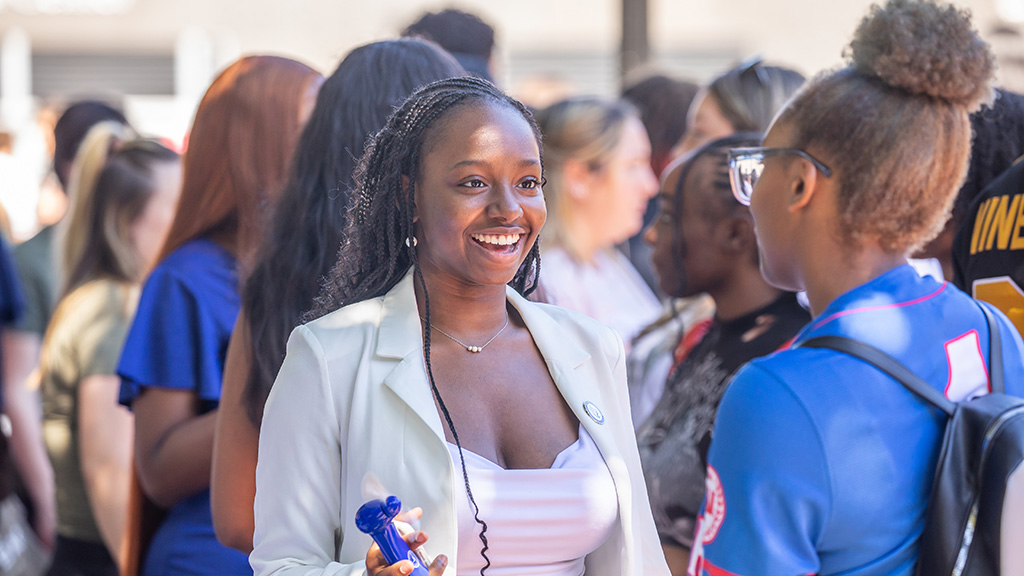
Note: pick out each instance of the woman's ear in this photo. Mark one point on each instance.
(804, 181)
(739, 234)
(576, 179)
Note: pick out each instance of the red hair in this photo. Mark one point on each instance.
(239, 152)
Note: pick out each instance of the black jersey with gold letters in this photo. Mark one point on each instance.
(988, 252)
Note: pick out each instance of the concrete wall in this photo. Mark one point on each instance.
(808, 34)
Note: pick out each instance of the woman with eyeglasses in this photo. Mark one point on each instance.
(820, 463)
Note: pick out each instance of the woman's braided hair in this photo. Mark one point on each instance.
(378, 247)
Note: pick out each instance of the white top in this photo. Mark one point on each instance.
(539, 521)
(652, 355)
(609, 290)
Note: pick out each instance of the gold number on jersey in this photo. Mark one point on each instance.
(1004, 294)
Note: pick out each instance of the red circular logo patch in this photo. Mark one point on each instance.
(714, 507)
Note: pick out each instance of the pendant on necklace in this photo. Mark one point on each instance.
(473, 349)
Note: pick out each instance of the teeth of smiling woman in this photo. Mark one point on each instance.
(497, 239)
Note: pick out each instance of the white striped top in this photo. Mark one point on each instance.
(539, 521)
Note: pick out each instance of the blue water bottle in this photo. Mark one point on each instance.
(376, 518)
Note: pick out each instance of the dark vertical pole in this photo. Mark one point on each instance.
(635, 49)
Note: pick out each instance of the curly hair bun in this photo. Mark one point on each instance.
(924, 48)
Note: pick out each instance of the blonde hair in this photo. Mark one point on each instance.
(750, 94)
(582, 129)
(111, 182)
(85, 170)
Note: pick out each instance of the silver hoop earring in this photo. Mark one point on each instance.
(411, 242)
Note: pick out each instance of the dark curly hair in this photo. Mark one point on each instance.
(377, 247)
(894, 124)
(997, 142)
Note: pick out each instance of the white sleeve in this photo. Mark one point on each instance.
(645, 534)
(298, 474)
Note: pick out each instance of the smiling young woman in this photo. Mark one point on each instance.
(479, 199)
(511, 430)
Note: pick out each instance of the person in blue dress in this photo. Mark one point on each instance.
(238, 156)
(819, 462)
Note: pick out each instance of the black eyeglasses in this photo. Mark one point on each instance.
(746, 165)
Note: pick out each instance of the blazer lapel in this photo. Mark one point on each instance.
(567, 362)
(400, 343)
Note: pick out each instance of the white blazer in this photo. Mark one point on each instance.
(352, 398)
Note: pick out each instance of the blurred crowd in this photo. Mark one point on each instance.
(145, 324)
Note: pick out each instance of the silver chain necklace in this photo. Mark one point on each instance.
(473, 349)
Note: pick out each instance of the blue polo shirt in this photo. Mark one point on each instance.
(820, 463)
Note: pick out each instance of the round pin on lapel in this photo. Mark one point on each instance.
(593, 411)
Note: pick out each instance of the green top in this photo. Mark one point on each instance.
(85, 339)
(37, 269)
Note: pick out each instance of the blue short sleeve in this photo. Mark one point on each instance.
(181, 330)
(12, 301)
(768, 489)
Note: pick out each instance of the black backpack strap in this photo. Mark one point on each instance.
(885, 363)
(995, 352)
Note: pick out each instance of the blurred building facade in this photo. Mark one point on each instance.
(156, 57)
